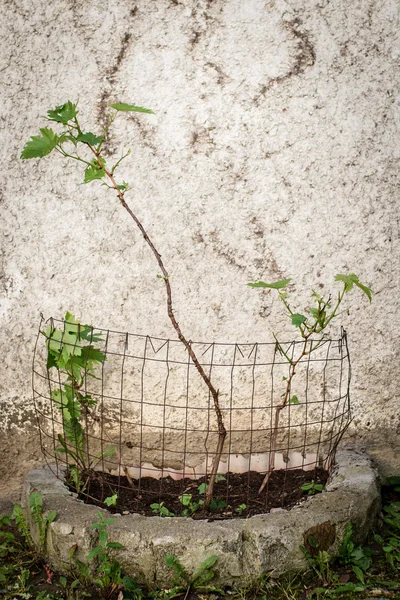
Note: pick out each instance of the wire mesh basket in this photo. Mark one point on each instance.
(147, 420)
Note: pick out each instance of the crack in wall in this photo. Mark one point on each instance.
(305, 56)
(111, 77)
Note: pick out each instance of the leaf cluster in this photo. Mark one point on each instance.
(72, 140)
(389, 538)
(39, 518)
(324, 309)
(200, 581)
(319, 316)
(312, 488)
(191, 506)
(72, 352)
(356, 557)
(158, 508)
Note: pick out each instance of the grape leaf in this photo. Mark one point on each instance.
(64, 113)
(40, 145)
(93, 172)
(352, 279)
(294, 400)
(121, 106)
(278, 285)
(298, 320)
(89, 138)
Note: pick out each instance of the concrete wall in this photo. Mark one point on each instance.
(273, 152)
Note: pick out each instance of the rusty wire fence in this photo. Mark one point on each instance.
(146, 415)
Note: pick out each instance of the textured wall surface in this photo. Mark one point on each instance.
(273, 152)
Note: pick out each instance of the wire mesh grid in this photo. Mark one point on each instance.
(143, 415)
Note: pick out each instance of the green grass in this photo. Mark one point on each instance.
(357, 572)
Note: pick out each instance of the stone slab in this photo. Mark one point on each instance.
(246, 548)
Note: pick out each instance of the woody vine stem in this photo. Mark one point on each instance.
(40, 146)
(182, 338)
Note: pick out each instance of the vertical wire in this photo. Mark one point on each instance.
(186, 422)
(271, 422)
(102, 398)
(141, 415)
(121, 403)
(164, 421)
(305, 424)
(345, 415)
(61, 402)
(333, 435)
(253, 384)
(230, 425)
(318, 459)
(286, 458)
(34, 398)
(208, 411)
(53, 418)
(85, 389)
(74, 395)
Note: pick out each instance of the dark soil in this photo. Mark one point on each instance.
(235, 495)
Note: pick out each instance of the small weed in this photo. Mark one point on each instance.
(240, 509)
(190, 507)
(108, 570)
(158, 508)
(389, 539)
(312, 488)
(111, 500)
(200, 581)
(42, 521)
(355, 557)
(320, 563)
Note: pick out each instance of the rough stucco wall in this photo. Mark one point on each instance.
(273, 153)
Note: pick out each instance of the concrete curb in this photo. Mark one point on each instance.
(245, 547)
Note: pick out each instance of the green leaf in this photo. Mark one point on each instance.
(51, 516)
(312, 541)
(294, 400)
(394, 480)
(130, 585)
(108, 452)
(51, 360)
(39, 146)
(89, 138)
(185, 499)
(62, 114)
(111, 500)
(103, 537)
(352, 279)
(298, 320)
(202, 488)
(91, 355)
(121, 106)
(209, 562)
(17, 513)
(359, 574)
(278, 285)
(94, 552)
(115, 545)
(93, 172)
(35, 501)
(346, 587)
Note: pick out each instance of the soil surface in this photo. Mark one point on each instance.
(235, 495)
